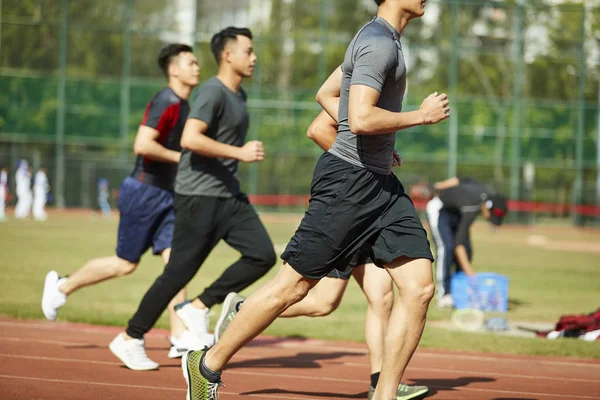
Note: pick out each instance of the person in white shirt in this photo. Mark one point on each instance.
(23, 184)
(3, 192)
(40, 195)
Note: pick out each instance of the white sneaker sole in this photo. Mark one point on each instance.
(174, 352)
(124, 360)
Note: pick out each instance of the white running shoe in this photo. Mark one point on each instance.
(52, 298)
(132, 353)
(195, 319)
(188, 341)
(445, 301)
(230, 309)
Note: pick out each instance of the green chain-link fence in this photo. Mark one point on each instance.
(523, 78)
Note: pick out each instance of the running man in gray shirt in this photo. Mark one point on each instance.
(355, 202)
(209, 206)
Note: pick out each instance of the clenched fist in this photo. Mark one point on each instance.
(435, 108)
(252, 151)
(396, 159)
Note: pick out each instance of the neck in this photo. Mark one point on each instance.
(182, 90)
(396, 17)
(231, 79)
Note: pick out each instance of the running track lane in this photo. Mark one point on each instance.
(52, 361)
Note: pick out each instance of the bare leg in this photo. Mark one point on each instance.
(97, 270)
(177, 325)
(258, 312)
(414, 280)
(320, 301)
(377, 286)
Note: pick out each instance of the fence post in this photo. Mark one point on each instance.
(125, 80)
(578, 220)
(598, 150)
(453, 82)
(59, 180)
(515, 167)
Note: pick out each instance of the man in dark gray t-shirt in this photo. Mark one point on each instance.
(227, 116)
(355, 202)
(209, 205)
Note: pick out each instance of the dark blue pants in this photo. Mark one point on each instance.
(444, 225)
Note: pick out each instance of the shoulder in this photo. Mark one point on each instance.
(211, 85)
(166, 96)
(212, 88)
(380, 47)
(375, 36)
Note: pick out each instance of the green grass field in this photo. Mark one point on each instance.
(560, 275)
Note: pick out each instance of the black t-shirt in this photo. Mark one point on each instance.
(464, 200)
(166, 113)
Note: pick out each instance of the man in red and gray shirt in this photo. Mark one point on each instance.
(146, 196)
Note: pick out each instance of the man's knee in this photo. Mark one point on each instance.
(326, 306)
(289, 293)
(124, 267)
(386, 302)
(381, 302)
(419, 291)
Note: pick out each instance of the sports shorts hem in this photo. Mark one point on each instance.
(304, 274)
(159, 250)
(129, 259)
(381, 261)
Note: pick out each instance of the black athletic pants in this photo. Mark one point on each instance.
(200, 223)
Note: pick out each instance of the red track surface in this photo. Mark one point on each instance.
(51, 361)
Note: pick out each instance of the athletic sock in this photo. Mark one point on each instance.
(374, 379)
(207, 373)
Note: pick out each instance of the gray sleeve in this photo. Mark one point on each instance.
(373, 60)
(207, 105)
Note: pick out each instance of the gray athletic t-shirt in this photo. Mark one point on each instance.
(226, 115)
(374, 58)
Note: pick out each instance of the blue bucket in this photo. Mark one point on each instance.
(485, 291)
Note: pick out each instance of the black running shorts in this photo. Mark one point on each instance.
(361, 257)
(351, 207)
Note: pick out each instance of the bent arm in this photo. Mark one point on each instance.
(323, 130)
(146, 145)
(328, 95)
(194, 139)
(365, 118)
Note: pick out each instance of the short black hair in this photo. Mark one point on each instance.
(378, 2)
(169, 52)
(220, 39)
